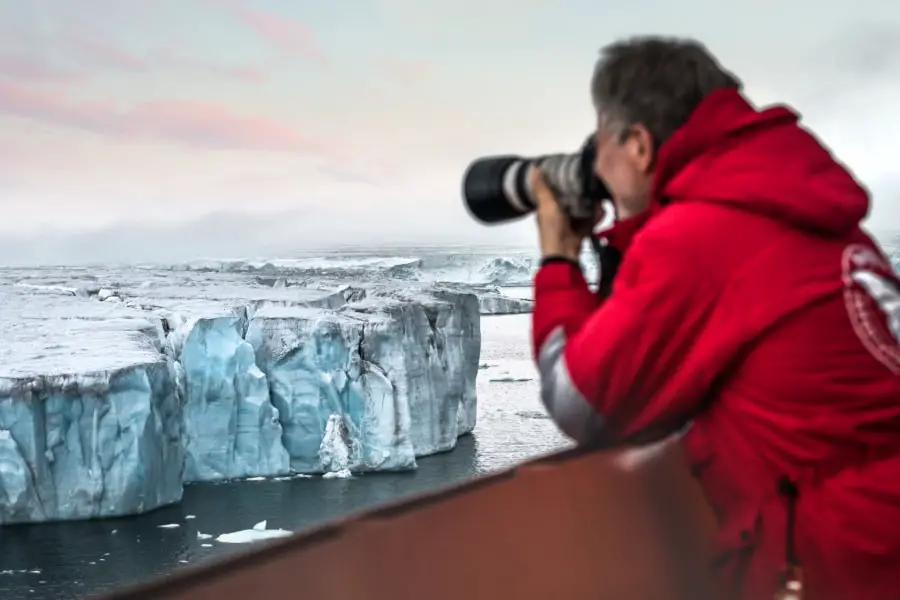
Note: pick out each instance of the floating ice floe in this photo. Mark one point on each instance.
(258, 533)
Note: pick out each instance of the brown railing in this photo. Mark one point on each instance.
(570, 526)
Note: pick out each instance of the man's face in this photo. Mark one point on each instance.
(625, 163)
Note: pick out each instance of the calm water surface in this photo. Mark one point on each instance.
(74, 560)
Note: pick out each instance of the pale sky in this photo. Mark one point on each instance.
(136, 130)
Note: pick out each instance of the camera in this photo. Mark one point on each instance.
(497, 189)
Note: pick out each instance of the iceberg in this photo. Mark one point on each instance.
(388, 377)
(476, 267)
(454, 319)
(90, 419)
(258, 533)
(338, 409)
(232, 430)
(494, 302)
(115, 392)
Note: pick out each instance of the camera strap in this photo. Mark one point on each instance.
(608, 261)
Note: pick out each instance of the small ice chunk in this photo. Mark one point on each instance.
(189, 517)
(248, 536)
(170, 526)
(294, 476)
(258, 533)
(203, 536)
(341, 474)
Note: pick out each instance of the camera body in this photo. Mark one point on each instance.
(497, 189)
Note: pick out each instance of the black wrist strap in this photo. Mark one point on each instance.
(557, 258)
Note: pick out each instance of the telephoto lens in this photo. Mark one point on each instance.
(497, 189)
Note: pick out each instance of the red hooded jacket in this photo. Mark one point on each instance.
(751, 305)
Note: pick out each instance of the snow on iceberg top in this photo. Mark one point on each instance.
(276, 311)
(53, 333)
(97, 320)
(222, 291)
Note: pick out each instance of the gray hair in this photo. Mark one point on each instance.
(655, 81)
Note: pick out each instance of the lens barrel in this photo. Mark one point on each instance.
(495, 188)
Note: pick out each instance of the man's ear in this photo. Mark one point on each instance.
(642, 148)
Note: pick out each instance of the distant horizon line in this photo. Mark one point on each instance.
(375, 251)
(889, 237)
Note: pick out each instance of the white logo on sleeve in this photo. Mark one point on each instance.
(872, 295)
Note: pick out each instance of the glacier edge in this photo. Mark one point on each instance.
(207, 385)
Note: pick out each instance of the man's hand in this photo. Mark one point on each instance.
(558, 236)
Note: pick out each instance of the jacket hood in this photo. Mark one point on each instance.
(760, 161)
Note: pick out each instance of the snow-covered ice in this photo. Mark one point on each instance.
(371, 386)
(90, 420)
(258, 533)
(231, 428)
(462, 266)
(495, 302)
(454, 334)
(107, 407)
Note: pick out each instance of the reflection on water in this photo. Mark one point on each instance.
(72, 560)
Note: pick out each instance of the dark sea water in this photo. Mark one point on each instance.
(73, 560)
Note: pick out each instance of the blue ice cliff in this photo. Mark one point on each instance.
(116, 390)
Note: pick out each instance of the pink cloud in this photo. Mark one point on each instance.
(198, 124)
(26, 158)
(249, 74)
(104, 52)
(168, 59)
(209, 125)
(21, 67)
(22, 101)
(407, 71)
(288, 35)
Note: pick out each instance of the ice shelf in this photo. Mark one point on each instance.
(118, 388)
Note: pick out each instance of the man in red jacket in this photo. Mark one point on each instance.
(750, 305)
